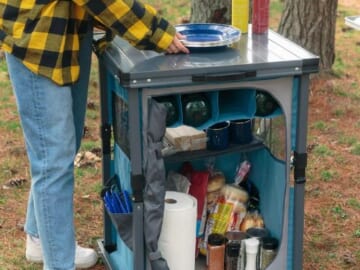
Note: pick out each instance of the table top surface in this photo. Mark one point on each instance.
(268, 55)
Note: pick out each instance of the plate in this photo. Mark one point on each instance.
(353, 21)
(208, 35)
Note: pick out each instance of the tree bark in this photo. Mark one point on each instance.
(211, 11)
(312, 25)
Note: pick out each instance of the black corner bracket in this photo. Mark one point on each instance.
(300, 163)
(137, 185)
(106, 137)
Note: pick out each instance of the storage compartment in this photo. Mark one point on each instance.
(130, 83)
(236, 104)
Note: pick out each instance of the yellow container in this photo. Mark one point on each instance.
(240, 14)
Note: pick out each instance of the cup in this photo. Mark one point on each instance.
(218, 136)
(241, 131)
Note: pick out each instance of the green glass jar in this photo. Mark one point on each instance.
(196, 109)
(265, 103)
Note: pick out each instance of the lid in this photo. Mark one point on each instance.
(270, 243)
(233, 248)
(257, 232)
(235, 235)
(216, 239)
(251, 245)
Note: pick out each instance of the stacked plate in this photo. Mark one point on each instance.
(208, 35)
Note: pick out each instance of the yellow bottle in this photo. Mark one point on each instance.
(240, 14)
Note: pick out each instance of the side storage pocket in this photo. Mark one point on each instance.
(123, 224)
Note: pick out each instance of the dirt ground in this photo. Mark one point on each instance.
(333, 178)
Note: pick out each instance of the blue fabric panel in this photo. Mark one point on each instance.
(291, 231)
(122, 258)
(269, 176)
(122, 169)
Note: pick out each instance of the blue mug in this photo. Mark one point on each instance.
(218, 136)
(241, 131)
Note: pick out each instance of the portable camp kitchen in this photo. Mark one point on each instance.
(229, 77)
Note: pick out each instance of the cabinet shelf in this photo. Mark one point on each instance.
(201, 154)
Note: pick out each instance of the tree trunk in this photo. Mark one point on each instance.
(211, 11)
(311, 24)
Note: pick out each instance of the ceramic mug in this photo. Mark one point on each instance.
(218, 136)
(241, 131)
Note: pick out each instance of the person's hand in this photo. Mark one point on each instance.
(176, 45)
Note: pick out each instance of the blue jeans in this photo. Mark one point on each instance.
(52, 119)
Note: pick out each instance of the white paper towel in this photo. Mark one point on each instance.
(178, 233)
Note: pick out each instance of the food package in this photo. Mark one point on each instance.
(252, 220)
(215, 185)
(242, 172)
(198, 188)
(227, 214)
(177, 182)
(186, 138)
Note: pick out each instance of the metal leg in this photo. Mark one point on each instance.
(137, 179)
(299, 171)
(106, 149)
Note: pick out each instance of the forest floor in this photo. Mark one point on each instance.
(332, 200)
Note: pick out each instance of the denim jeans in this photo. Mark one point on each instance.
(52, 119)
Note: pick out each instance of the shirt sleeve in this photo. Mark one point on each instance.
(134, 21)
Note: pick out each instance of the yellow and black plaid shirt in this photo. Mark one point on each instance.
(45, 34)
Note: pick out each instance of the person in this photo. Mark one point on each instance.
(48, 46)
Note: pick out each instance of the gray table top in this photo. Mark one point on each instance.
(252, 57)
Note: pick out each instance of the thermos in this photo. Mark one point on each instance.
(240, 15)
(260, 16)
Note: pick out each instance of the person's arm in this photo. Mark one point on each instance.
(136, 22)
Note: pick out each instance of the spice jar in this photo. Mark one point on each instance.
(232, 255)
(260, 234)
(269, 247)
(215, 256)
(251, 247)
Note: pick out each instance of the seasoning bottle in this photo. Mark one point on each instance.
(269, 247)
(215, 256)
(251, 247)
(232, 255)
(258, 233)
(240, 15)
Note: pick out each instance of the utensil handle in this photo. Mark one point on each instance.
(225, 77)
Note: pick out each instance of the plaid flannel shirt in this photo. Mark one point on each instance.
(45, 34)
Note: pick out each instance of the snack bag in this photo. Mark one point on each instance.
(227, 214)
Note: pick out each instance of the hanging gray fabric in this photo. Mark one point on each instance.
(154, 192)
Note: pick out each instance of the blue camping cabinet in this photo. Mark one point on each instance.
(230, 79)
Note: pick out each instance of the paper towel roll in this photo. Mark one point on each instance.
(178, 233)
